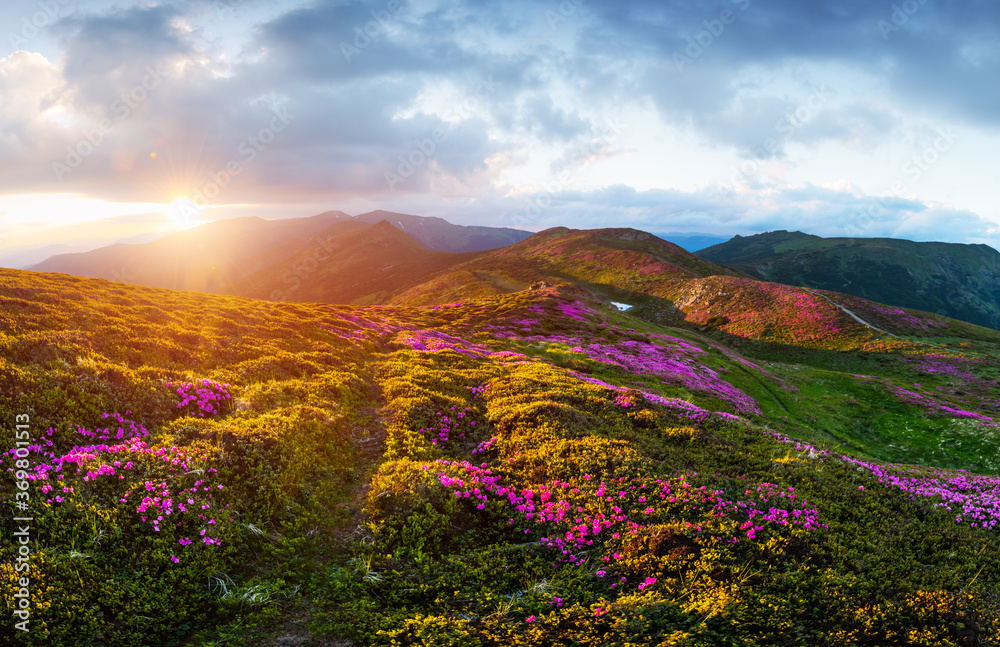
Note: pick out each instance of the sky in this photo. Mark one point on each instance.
(121, 120)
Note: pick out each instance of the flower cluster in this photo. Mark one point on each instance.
(945, 365)
(978, 496)
(478, 390)
(579, 517)
(975, 497)
(889, 318)
(575, 310)
(931, 404)
(675, 365)
(194, 507)
(783, 509)
(124, 429)
(485, 445)
(363, 329)
(114, 466)
(448, 425)
(624, 400)
(435, 341)
(202, 397)
(681, 408)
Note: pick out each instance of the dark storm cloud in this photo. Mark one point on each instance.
(938, 57)
(343, 41)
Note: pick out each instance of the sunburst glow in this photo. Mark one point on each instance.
(183, 213)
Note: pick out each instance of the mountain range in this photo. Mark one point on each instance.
(26, 256)
(214, 256)
(382, 258)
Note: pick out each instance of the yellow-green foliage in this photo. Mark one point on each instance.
(386, 491)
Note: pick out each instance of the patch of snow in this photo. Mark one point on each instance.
(621, 306)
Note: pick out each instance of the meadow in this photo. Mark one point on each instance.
(532, 468)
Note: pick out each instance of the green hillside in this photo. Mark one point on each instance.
(610, 263)
(385, 264)
(530, 468)
(959, 281)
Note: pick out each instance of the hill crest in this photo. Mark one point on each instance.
(952, 279)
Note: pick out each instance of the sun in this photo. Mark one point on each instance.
(183, 212)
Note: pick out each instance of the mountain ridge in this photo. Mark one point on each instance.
(210, 257)
(363, 266)
(953, 279)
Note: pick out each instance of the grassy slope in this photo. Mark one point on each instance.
(952, 279)
(611, 263)
(627, 259)
(345, 525)
(670, 285)
(369, 266)
(388, 266)
(211, 257)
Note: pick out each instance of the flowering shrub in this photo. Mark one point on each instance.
(769, 311)
(448, 427)
(202, 398)
(890, 318)
(676, 367)
(929, 402)
(560, 509)
(116, 463)
(435, 340)
(975, 497)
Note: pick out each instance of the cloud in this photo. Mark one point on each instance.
(815, 210)
(432, 103)
(730, 70)
(138, 105)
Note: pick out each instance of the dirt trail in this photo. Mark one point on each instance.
(886, 332)
(852, 315)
